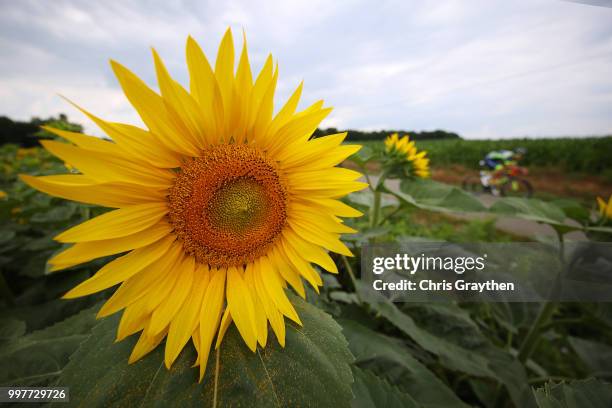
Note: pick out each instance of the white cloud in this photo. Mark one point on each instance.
(481, 68)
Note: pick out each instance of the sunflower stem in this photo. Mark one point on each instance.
(349, 269)
(544, 315)
(216, 386)
(375, 215)
(377, 191)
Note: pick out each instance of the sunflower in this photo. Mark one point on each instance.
(218, 205)
(605, 209)
(403, 151)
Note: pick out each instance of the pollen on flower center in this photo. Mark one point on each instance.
(228, 205)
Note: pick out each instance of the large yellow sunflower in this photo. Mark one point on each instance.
(404, 151)
(219, 204)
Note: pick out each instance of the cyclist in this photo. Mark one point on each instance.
(495, 162)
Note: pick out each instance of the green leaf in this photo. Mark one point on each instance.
(366, 199)
(56, 214)
(312, 370)
(576, 394)
(597, 356)
(606, 230)
(373, 392)
(451, 355)
(531, 209)
(573, 209)
(434, 196)
(457, 343)
(420, 383)
(38, 358)
(364, 155)
(11, 328)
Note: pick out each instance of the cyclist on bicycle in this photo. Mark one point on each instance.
(495, 162)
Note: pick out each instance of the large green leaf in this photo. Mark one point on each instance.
(457, 342)
(374, 392)
(589, 393)
(38, 357)
(534, 210)
(435, 196)
(452, 356)
(312, 370)
(596, 355)
(422, 385)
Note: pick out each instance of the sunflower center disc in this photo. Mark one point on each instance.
(228, 205)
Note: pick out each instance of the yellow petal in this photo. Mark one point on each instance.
(274, 288)
(316, 235)
(187, 318)
(261, 322)
(259, 89)
(122, 268)
(116, 223)
(85, 190)
(169, 307)
(271, 312)
(86, 251)
(145, 345)
(266, 109)
(300, 128)
(311, 252)
(287, 271)
(86, 142)
(226, 320)
(335, 207)
(224, 72)
(210, 315)
(205, 89)
(284, 115)
(153, 112)
(145, 282)
(108, 168)
(301, 265)
(132, 143)
(240, 304)
(180, 105)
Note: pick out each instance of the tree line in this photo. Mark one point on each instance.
(27, 134)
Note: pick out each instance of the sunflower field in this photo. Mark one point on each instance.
(201, 241)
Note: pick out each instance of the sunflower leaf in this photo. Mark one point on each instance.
(312, 370)
(372, 391)
(586, 393)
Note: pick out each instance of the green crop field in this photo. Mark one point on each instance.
(588, 155)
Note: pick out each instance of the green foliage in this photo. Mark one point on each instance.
(38, 357)
(589, 155)
(312, 370)
(361, 136)
(416, 354)
(577, 394)
(26, 134)
(372, 391)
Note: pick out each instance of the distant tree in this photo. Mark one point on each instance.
(358, 135)
(27, 134)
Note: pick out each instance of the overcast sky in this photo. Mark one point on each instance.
(491, 68)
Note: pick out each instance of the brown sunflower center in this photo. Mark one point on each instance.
(228, 205)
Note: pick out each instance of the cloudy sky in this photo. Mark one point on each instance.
(490, 68)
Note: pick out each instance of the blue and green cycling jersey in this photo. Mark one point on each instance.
(495, 159)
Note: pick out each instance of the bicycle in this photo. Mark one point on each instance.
(509, 181)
